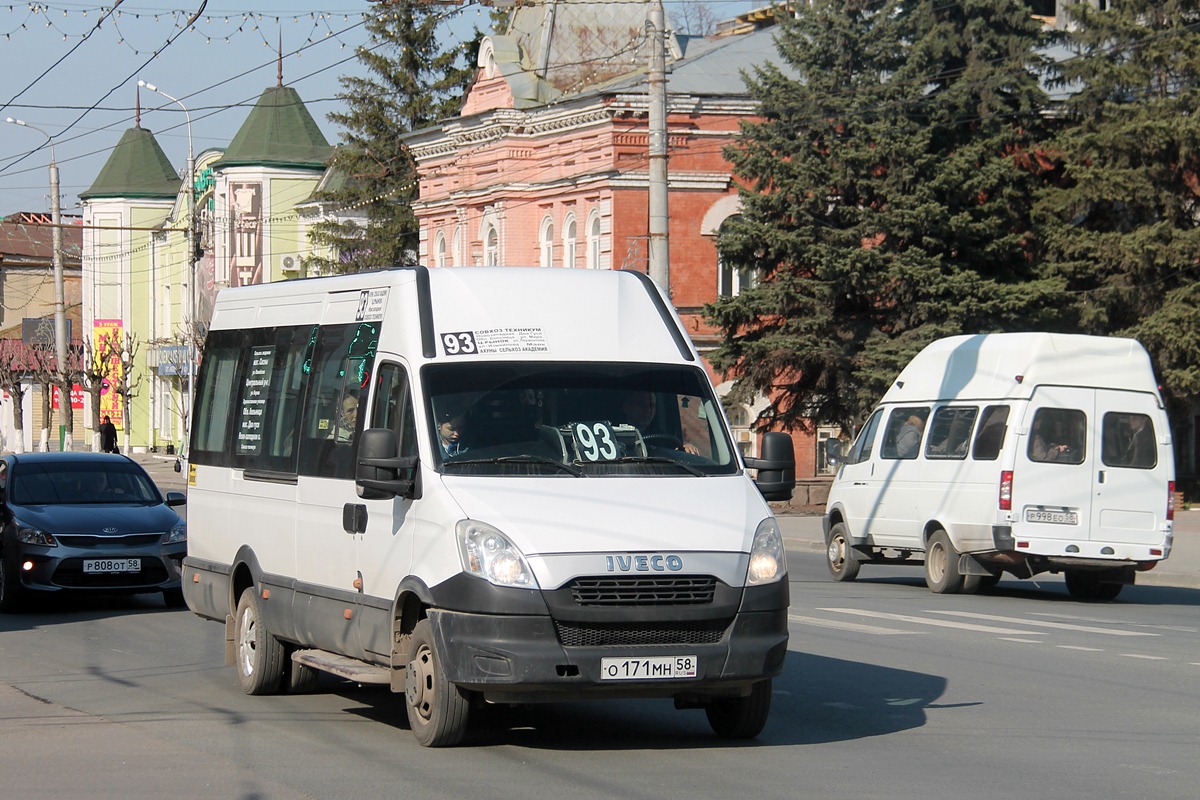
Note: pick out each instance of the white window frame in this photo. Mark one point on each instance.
(546, 242)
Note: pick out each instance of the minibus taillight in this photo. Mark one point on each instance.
(1006, 490)
(1170, 500)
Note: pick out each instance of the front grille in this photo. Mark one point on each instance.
(676, 590)
(92, 540)
(627, 634)
(70, 573)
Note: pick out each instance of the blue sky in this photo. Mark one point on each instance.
(78, 82)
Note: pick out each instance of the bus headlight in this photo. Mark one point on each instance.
(767, 560)
(487, 553)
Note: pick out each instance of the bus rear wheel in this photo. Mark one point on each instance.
(941, 565)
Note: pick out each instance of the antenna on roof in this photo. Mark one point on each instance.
(137, 114)
(279, 69)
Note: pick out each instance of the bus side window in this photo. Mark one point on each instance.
(993, 424)
(860, 451)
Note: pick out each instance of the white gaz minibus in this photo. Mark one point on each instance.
(475, 485)
(1022, 453)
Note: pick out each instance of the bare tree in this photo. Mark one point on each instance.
(14, 371)
(42, 372)
(173, 355)
(126, 383)
(694, 18)
(95, 373)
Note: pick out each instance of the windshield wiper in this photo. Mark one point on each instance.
(527, 458)
(659, 460)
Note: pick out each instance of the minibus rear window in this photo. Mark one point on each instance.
(1129, 441)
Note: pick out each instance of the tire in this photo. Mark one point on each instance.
(941, 565)
(1086, 585)
(437, 709)
(842, 567)
(258, 655)
(298, 678)
(973, 584)
(741, 717)
(12, 594)
(173, 598)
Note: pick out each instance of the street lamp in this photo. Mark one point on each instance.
(60, 316)
(191, 260)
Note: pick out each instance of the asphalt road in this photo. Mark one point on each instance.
(888, 691)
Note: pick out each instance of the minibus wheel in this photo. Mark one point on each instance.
(941, 565)
(1086, 585)
(741, 717)
(259, 655)
(842, 566)
(437, 709)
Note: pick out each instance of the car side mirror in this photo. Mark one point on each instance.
(776, 466)
(176, 498)
(381, 473)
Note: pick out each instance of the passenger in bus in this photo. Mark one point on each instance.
(638, 409)
(448, 434)
(908, 441)
(348, 417)
(1046, 444)
(1139, 452)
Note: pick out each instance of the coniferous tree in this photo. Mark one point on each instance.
(887, 189)
(1122, 225)
(411, 82)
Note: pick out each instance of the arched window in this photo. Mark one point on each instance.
(546, 243)
(569, 242)
(491, 247)
(593, 241)
(439, 249)
(730, 281)
(456, 247)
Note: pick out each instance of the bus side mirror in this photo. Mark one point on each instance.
(382, 474)
(776, 466)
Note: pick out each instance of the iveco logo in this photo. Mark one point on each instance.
(644, 563)
(110, 530)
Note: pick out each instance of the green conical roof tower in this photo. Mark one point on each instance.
(278, 133)
(137, 168)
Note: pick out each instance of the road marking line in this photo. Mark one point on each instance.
(1065, 626)
(941, 623)
(1144, 658)
(1077, 647)
(1022, 641)
(849, 626)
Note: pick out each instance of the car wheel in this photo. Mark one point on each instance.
(842, 566)
(258, 654)
(741, 717)
(12, 594)
(437, 709)
(941, 565)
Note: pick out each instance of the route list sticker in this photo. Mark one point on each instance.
(254, 401)
(494, 340)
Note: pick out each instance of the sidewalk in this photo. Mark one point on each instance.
(1180, 569)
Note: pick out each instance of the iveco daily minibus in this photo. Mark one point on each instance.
(1022, 453)
(474, 485)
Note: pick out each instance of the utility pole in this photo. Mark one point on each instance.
(658, 250)
(60, 314)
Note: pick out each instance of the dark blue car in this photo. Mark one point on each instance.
(86, 522)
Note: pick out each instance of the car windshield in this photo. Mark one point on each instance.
(576, 420)
(91, 483)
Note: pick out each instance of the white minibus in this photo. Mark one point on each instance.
(1022, 453)
(482, 485)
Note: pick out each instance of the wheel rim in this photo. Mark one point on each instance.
(246, 642)
(837, 552)
(937, 562)
(420, 685)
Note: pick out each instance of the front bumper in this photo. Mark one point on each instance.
(57, 569)
(521, 658)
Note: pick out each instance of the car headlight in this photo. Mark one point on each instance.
(487, 553)
(177, 534)
(28, 535)
(767, 560)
